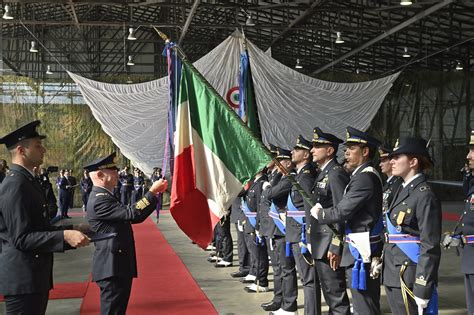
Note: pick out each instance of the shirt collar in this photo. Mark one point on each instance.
(325, 164)
(411, 179)
(389, 179)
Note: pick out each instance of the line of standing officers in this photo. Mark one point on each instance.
(344, 227)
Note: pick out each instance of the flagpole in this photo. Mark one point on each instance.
(286, 172)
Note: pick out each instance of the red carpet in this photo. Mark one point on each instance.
(163, 286)
(72, 290)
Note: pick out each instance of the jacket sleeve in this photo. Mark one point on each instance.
(359, 191)
(338, 181)
(112, 210)
(279, 190)
(20, 228)
(428, 215)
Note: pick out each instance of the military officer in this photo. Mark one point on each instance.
(237, 217)
(467, 231)
(361, 209)
(126, 186)
(326, 248)
(412, 255)
(114, 263)
(296, 229)
(27, 240)
(392, 183)
(284, 295)
(255, 243)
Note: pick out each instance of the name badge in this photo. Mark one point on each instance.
(321, 185)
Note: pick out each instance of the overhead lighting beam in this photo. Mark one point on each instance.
(188, 21)
(391, 31)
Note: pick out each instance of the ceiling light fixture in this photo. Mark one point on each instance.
(298, 64)
(339, 39)
(130, 61)
(405, 53)
(131, 35)
(33, 47)
(7, 15)
(459, 66)
(48, 70)
(406, 2)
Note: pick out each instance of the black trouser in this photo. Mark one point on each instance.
(242, 251)
(26, 304)
(71, 199)
(85, 197)
(64, 202)
(333, 284)
(224, 244)
(277, 245)
(365, 302)
(289, 280)
(258, 259)
(126, 195)
(395, 300)
(469, 284)
(311, 287)
(114, 295)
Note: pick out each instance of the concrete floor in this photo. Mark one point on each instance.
(227, 294)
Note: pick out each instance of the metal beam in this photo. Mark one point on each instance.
(305, 15)
(188, 21)
(393, 30)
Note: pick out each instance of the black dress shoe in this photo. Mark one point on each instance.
(238, 274)
(270, 306)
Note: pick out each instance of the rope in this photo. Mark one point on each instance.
(405, 289)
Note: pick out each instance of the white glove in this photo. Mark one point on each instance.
(422, 303)
(309, 247)
(283, 217)
(257, 233)
(266, 185)
(240, 226)
(315, 210)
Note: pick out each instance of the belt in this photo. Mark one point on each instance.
(468, 239)
(403, 238)
(295, 214)
(374, 239)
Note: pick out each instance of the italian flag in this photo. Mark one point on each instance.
(215, 155)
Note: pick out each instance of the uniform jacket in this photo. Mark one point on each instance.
(360, 207)
(115, 257)
(27, 240)
(467, 228)
(417, 211)
(126, 181)
(265, 223)
(305, 177)
(328, 190)
(252, 197)
(236, 214)
(390, 188)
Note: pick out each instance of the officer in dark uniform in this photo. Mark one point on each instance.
(224, 244)
(467, 231)
(64, 194)
(326, 249)
(237, 217)
(392, 184)
(412, 255)
(138, 184)
(255, 242)
(126, 187)
(296, 229)
(114, 262)
(27, 240)
(275, 194)
(48, 191)
(361, 210)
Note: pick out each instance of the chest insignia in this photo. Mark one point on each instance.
(400, 217)
(421, 281)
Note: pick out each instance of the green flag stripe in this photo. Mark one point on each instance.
(220, 129)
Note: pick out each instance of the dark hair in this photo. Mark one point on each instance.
(423, 162)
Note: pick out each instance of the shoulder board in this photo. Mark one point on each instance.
(423, 188)
(100, 194)
(337, 167)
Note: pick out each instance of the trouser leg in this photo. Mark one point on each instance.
(114, 295)
(365, 302)
(333, 284)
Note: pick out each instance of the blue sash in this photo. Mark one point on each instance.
(251, 216)
(273, 213)
(359, 276)
(298, 216)
(412, 250)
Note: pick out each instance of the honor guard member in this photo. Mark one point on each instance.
(412, 253)
(114, 262)
(27, 240)
(467, 231)
(326, 248)
(284, 295)
(297, 224)
(138, 184)
(267, 230)
(361, 210)
(255, 243)
(224, 244)
(237, 217)
(126, 186)
(393, 183)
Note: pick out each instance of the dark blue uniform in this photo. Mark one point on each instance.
(114, 264)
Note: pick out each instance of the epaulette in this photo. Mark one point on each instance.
(423, 188)
(100, 194)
